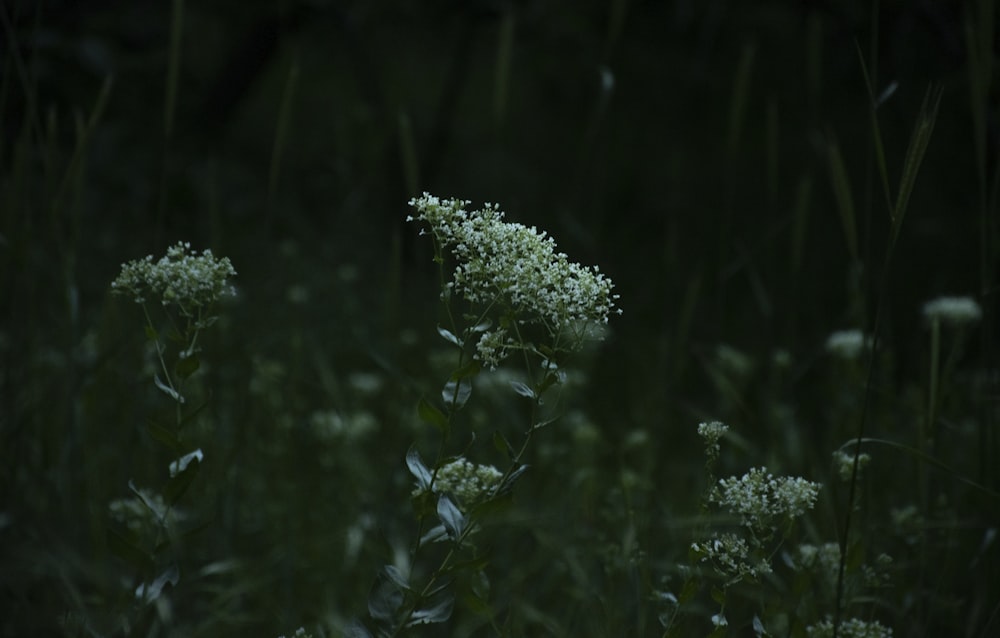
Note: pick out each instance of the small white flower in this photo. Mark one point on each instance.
(712, 432)
(850, 628)
(517, 269)
(469, 483)
(181, 278)
(847, 344)
(953, 310)
(760, 498)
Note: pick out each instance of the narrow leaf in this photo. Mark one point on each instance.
(456, 393)
(451, 517)
(439, 611)
(503, 446)
(183, 462)
(180, 482)
(163, 435)
(523, 389)
(186, 366)
(470, 369)
(396, 577)
(915, 154)
(418, 469)
(171, 576)
(448, 336)
(126, 550)
(173, 394)
(428, 413)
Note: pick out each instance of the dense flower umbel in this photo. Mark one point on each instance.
(468, 482)
(181, 278)
(761, 498)
(517, 270)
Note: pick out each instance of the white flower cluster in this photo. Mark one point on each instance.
(955, 311)
(851, 628)
(517, 268)
(729, 555)
(845, 464)
(760, 498)
(823, 560)
(468, 482)
(181, 278)
(712, 432)
(847, 344)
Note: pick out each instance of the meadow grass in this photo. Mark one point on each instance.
(470, 440)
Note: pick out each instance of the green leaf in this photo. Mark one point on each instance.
(503, 446)
(719, 595)
(456, 393)
(171, 576)
(418, 469)
(448, 336)
(181, 481)
(470, 369)
(451, 517)
(523, 389)
(186, 366)
(428, 413)
(396, 577)
(438, 610)
(122, 547)
(151, 333)
(385, 598)
(919, 140)
(507, 484)
(181, 464)
(163, 435)
(152, 506)
(170, 392)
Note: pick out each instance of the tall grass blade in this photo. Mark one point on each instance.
(915, 155)
(840, 182)
(281, 130)
(873, 103)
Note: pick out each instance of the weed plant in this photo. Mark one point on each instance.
(447, 427)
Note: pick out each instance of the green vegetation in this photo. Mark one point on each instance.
(247, 390)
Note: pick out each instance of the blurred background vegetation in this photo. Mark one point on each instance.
(688, 148)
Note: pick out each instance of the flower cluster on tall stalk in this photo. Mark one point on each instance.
(505, 291)
(145, 528)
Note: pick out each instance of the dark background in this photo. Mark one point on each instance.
(683, 146)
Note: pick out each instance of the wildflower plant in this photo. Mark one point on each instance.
(506, 292)
(183, 286)
(761, 511)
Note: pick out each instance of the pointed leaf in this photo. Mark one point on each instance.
(523, 389)
(418, 469)
(396, 577)
(505, 486)
(186, 366)
(448, 336)
(470, 369)
(183, 462)
(172, 575)
(170, 392)
(437, 611)
(434, 535)
(385, 599)
(163, 435)
(180, 482)
(430, 414)
(451, 517)
(503, 446)
(456, 393)
(126, 550)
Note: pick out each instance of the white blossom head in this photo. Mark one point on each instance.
(712, 433)
(181, 278)
(731, 557)
(956, 311)
(516, 270)
(762, 500)
(847, 344)
(467, 482)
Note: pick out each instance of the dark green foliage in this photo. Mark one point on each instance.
(738, 169)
